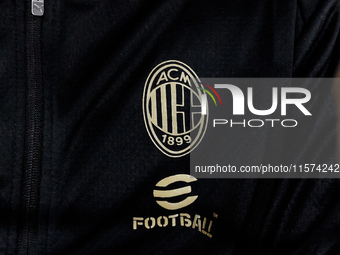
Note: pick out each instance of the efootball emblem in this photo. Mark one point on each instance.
(172, 103)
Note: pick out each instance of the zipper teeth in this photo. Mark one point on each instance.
(28, 235)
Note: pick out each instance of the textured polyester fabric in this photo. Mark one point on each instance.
(100, 166)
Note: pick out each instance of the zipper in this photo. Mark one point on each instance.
(28, 228)
(37, 7)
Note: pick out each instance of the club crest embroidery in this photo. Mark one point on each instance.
(172, 108)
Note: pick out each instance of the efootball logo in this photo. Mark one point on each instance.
(172, 108)
(172, 197)
(163, 192)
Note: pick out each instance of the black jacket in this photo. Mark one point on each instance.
(78, 169)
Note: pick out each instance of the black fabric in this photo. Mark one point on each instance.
(100, 166)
